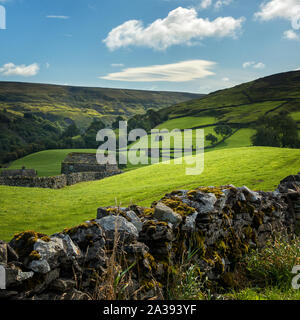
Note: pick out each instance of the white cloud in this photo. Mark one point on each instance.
(57, 17)
(220, 3)
(10, 69)
(248, 64)
(290, 35)
(259, 65)
(284, 9)
(205, 4)
(177, 72)
(225, 79)
(254, 65)
(297, 69)
(181, 26)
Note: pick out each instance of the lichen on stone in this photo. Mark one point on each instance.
(178, 206)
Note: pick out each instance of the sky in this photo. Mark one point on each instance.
(174, 45)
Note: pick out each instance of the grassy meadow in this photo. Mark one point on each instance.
(49, 211)
(47, 163)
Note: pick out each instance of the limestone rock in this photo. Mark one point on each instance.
(205, 202)
(250, 195)
(60, 249)
(126, 229)
(40, 266)
(15, 276)
(164, 213)
(135, 220)
(87, 235)
(190, 223)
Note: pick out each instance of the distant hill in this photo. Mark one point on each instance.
(239, 107)
(34, 116)
(82, 104)
(246, 102)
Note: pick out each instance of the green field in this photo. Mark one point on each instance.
(49, 211)
(186, 123)
(47, 163)
(241, 138)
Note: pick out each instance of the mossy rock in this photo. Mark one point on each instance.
(178, 206)
(74, 230)
(217, 191)
(23, 242)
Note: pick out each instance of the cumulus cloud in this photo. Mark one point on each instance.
(284, 9)
(181, 26)
(254, 65)
(10, 69)
(290, 35)
(177, 72)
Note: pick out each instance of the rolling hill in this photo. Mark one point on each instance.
(34, 116)
(239, 107)
(49, 211)
(82, 104)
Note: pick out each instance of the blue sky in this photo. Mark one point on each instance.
(175, 45)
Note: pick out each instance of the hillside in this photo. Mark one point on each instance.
(244, 103)
(33, 117)
(82, 104)
(239, 107)
(49, 211)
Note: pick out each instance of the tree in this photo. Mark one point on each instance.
(115, 124)
(277, 131)
(224, 130)
(212, 138)
(71, 131)
(91, 133)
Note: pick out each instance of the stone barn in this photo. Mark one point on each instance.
(85, 162)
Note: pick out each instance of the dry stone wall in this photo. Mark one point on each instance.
(56, 182)
(219, 224)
